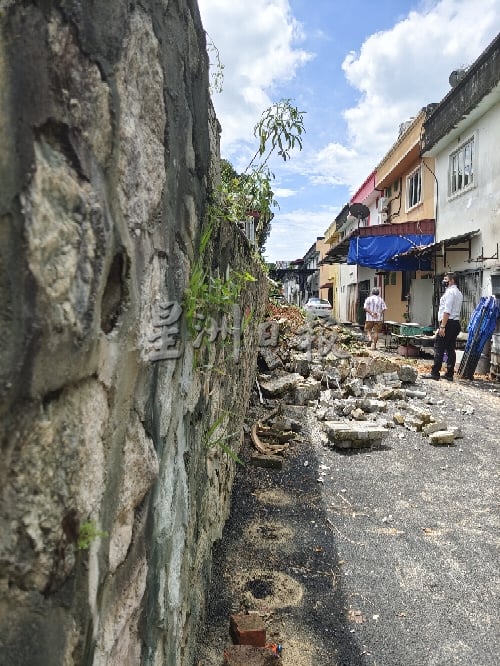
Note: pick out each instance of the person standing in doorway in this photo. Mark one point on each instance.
(450, 306)
(374, 307)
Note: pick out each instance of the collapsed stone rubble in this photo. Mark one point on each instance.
(358, 395)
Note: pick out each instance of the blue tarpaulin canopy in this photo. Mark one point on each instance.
(383, 252)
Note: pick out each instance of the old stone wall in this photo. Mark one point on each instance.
(115, 478)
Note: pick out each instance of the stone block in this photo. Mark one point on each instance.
(442, 437)
(398, 418)
(407, 374)
(422, 414)
(280, 384)
(370, 406)
(354, 387)
(268, 461)
(434, 427)
(302, 366)
(414, 423)
(414, 393)
(349, 435)
(247, 630)
(270, 359)
(248, 655)
(307, 392)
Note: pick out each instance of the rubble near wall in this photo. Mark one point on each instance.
(113, 483)
(358, 395)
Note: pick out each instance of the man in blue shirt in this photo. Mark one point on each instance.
(449, 328)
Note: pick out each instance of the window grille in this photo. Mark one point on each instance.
(414, 188)
(461, 168)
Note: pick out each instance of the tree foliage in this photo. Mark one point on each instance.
(250, 193)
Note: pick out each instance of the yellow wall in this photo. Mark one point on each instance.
(392, 297)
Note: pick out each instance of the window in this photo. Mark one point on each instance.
(461, 170)
(390, 278)
(413, 188)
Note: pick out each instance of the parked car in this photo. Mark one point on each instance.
(318, 307)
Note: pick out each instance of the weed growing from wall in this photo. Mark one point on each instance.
(87, 534)
(217, 436)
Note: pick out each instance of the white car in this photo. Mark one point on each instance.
(319, 307)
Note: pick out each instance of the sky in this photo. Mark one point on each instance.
(357, 69)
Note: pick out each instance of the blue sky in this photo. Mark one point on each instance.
(357, 69)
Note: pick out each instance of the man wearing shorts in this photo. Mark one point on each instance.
(374, 308)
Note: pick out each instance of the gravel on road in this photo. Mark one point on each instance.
(383, 557)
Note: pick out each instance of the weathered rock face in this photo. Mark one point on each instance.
(113, 486)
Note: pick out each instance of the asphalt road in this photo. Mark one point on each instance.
(384, 557)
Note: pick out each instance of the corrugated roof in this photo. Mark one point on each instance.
(447, 242)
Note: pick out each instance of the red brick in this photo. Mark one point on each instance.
(247, 630)
(248, 655)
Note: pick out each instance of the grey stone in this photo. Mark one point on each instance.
(407, 374)
(442, 437)
(434, 427)
(307, 392)
(281, 383)
(301, 365)
(270, 358)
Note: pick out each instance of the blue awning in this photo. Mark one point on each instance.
(381, 252)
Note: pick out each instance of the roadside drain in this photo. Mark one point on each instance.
(274, 496)
(269, 534)
(269, 590)
(260, 589)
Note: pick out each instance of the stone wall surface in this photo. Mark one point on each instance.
(113, 485)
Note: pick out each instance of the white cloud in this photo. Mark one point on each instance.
(298, 229)
(283, 192)
(397, 72)
(258, 46)
(394, 73)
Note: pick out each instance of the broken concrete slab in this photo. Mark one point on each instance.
(354, 435)
(307, 392)
(407, 374)
(373, 366)
(279, 383)
(442, 437)
(269, 358)
(301, 365)
(436, 426)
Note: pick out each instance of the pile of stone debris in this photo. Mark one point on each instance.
(358, 395)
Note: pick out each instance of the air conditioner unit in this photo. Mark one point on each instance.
(383, 204)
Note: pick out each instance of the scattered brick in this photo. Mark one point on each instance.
(247, 630)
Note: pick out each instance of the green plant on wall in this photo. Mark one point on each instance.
(88, 533)
(280, 130)
(217, 436)
(210, 295)
(216, 66)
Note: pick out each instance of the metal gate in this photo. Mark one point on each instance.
(363, 293)
(469, 283)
